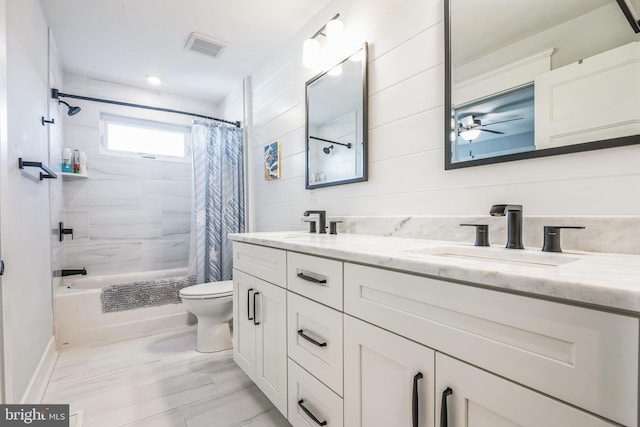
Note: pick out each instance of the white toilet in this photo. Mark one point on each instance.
(212, 304)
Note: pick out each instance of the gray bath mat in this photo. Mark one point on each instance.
(147, 293)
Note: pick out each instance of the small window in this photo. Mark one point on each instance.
(131, 137)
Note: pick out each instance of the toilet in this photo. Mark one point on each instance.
(212, 304)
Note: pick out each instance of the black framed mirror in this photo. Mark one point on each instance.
(336, 123)
(562, 80)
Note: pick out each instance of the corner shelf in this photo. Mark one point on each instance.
(73, 176)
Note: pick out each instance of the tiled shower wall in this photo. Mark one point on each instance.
(132, 214)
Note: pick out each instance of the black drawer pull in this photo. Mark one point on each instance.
(311, 340)
(414, 407)
(254, 308)
(249, 317)
(311, 279)
(308, 412)
(444, 422)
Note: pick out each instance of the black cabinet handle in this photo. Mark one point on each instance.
(249, 305)
(311, 279)
(414, 406)
(444, 422)
(254, 308)
(311, 340)
(308, 412)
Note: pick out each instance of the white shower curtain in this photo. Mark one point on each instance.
(218, 199)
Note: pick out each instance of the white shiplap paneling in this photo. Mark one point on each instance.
(406, 162)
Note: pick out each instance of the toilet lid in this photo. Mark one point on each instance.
(210, 290)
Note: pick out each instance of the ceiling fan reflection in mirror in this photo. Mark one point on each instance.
(469, 127)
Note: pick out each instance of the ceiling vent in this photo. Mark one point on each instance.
(204, 44)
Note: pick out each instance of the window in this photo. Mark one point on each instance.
(131, 137)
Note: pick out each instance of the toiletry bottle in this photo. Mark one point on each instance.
(66, 165)
(83, 163)
(76, 161)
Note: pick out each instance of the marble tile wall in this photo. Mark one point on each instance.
(132, 214)
(613, 234)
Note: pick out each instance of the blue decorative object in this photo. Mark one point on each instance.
(272, 161)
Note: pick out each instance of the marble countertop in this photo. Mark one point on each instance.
(607, 280)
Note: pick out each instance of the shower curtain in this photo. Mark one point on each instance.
(218, 199)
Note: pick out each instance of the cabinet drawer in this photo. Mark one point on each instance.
(585, 357)
(306, 392)
(317, 278)
(307, 321)
(265, 263)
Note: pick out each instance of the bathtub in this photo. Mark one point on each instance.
(80, 322)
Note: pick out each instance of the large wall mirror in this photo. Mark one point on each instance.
(336, 123)
(535, 78)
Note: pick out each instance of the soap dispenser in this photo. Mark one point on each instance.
(66, 165)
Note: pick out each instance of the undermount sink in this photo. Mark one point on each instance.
(532, 258)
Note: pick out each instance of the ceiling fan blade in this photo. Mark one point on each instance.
(502, 121)
(492, 131)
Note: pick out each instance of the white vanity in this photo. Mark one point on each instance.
(354, 330)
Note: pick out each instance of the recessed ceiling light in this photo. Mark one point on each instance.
(153, 80)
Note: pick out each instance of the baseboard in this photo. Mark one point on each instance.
(38, 384)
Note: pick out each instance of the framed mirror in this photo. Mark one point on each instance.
(537, 78)
(336, 123)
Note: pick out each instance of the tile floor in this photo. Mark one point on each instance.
(158, 381)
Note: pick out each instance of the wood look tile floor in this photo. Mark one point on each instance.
(158, 381)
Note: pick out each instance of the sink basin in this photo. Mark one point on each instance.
(532, 258)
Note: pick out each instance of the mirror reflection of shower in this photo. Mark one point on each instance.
(72, 110)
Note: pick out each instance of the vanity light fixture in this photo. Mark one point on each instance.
(334, 32)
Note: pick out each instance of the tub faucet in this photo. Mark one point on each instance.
(322, 220)
(514, 223)
(72, 272)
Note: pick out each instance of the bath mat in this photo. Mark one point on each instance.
(148, 293)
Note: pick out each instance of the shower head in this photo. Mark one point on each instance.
(72, 110)
(327, 150)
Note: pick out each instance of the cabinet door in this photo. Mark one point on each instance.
(383, 373)
(481, 399)
(244, 330)
(271, 342)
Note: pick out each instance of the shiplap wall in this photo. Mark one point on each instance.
(406, 155)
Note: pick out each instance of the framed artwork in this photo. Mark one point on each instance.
(272, 161)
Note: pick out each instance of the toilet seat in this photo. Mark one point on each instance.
(208, 290)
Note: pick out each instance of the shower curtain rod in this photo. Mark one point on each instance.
(55, 94)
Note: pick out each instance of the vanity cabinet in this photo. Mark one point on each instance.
(385, 375)
(481, 399)
(368, 346)
(260, 322)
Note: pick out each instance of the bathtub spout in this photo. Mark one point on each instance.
(72, 272)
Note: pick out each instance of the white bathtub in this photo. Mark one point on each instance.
(80, 322)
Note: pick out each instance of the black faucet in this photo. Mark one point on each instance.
(322, 220)
(514, 223)
(73, 272)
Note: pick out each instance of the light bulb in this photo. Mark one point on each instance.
(310, 53)
(153, 80)
(470, 134)
(335, 37)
